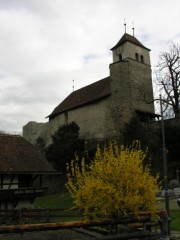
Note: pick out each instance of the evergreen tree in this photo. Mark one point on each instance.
(65, 144)
(172, 135)
(149, 136)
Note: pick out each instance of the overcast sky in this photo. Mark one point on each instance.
(46, 44)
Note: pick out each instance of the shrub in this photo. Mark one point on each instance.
(114, 184)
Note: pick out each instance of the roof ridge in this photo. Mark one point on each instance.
(89, 84)
(84, 95)
(10, 135)
(129, 38)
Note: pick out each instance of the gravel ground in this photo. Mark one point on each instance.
(48, 235)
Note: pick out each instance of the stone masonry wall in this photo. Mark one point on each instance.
(140, 75)
(120, 98)
(130, 80)
(94, 121)
(32, 130)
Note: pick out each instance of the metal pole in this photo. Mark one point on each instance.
(177, 174)
(164, 163)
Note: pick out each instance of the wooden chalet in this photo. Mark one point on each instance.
(21, 170)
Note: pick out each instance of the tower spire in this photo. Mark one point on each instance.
(125, 25)
(133, 28)
(73, 85)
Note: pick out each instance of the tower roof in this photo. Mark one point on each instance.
(129, 38)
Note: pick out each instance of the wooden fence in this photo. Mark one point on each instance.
(76, 224)
(143, 221)
(39, 215)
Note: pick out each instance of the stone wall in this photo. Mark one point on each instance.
(93, 120)
(140, 75)
(130, 81)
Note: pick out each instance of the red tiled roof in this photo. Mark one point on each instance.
(19, 156)
(83, 96)
(129, 38)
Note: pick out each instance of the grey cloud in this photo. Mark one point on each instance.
(46, 44)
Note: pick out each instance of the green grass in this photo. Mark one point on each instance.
(174, 212)
(175, 219)
(63, 200)
(60, 200)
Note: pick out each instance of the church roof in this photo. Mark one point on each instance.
(19, 156)
(129, 38)
(83, 96)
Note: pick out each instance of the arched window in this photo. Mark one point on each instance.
(120, 57)
(66, 118)
(142, 58)
(137, 57)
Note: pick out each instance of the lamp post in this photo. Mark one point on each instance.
(177, 175)
(166, 226)
(164, 161)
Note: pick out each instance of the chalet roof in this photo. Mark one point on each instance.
(19, 156)
(129, 38)
(83, 96)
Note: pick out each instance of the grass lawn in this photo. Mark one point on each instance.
(174, 212)
(63, 200)
(56, 201)
(175, 219)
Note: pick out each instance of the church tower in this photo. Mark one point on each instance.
(131, 82)
(129, 47)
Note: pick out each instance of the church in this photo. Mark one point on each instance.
(102, 108)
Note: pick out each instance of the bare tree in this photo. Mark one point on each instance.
(168, 78)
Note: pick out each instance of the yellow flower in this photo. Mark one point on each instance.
(114, 184)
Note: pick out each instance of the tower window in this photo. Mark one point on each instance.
(142, 58)
(120, 57)
(137, 57)
(66, 118)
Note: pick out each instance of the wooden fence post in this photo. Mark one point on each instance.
(19, 213)
(21, 235)
(48, 215)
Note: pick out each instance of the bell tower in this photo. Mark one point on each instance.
(129, 47)
(131, 80)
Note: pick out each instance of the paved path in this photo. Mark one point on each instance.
(65, 234)
(175, 235)
(48, 235)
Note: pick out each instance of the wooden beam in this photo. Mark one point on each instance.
(53, 226)
(2, 181)
(11, 181)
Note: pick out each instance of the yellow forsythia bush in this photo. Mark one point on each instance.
(115, 184)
